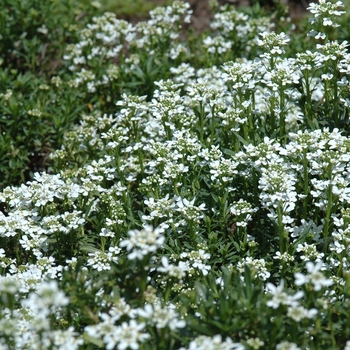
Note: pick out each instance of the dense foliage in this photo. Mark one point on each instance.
(198, 184)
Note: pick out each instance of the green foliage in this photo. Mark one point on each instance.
(197, 193)
(34, 32)
(35, 112)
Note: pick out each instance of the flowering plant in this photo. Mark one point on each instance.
(200, 201)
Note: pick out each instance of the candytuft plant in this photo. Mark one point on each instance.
(195, 192)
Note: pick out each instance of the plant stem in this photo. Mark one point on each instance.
(281, 231)
(328, 213)
(306, 185)
(212, 135)
(201, 122)
(329, 204)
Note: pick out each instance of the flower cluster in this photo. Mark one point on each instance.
(143, 242)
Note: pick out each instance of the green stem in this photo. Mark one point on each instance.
(223, 207)
(191, 231)
(306, 185)
(281, 231)
(282, 115)
(58, 246)
(167, 291)
(144, 274)
(118, 165)
(328, 212)
(167, 129)
(140, 157)
(175, 187)
(72, 240)
(212, 135)
(201, 122)
(245, 132)
(18, 257)
(273, 116)
(335, 98)
(329, 207)
(308, 111)
(176, 235)
(255, 180)
(251, 125)
(331, 327)
(128, 206)
(103, 243)
(326, 95)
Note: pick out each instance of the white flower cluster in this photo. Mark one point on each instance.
(257, 267)
(204, 342)
(108, 38)
(273, 43)
(173, 271)
(26, 324)
(130, 334)
(242, 211)
(7, 95)
(314, 276)
(101, 260)
(161, 317)
(280, 297)
(142, 242)
(294, 308)
(127, 335)
(165, 208)
(196, 260)
(326, 12)
(236, 29)
(286, 345)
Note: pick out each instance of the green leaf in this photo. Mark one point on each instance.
(92, 340)
(89, 248)
(229, 152)
(240, 138)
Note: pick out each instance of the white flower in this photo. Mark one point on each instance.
(197, 259)
(285, 345)
(47, 298)
(347, 345)
(177, 272)
(43, 30)
(161, 317)
(257, 266)
(9, 284)
(215, 343)
(281, 297)
(255, 343)
(129, 335)
(65, 339)
(143, 242)
(297, 313)
(326, 12)
(314, 276)
(300, 279)
(101, 260)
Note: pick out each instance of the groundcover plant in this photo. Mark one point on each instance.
(203, 203)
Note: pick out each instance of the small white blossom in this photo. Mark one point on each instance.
(143, 242)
